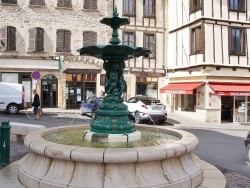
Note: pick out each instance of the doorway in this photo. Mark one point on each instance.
(227, 107)
(49, 93)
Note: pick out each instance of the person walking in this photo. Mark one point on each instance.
(36, 103)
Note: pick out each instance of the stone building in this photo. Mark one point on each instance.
(209, 65)
(40, 39)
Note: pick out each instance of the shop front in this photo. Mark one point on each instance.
(211, 101)
(235, 98)
(20, 71)
(80, 85)
(82, 79)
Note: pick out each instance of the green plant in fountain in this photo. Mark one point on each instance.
(112, 116)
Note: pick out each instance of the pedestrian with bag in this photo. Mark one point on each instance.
(36, 103)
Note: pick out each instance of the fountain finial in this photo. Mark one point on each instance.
(115, 13)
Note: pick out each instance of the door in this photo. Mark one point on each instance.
(49, 91)
(72, 94)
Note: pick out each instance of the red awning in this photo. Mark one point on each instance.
(180, 88)
(231, 89)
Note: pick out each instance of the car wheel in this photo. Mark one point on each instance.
(248, 153)
(13, 109)
(138, 118)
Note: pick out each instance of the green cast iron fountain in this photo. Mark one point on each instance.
(112, 116)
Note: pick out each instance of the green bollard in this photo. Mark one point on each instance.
(5, 143)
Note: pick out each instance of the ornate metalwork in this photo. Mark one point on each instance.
(112, 116)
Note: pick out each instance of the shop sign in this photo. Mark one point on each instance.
(228, 93)
(178, 92)
(82, 59)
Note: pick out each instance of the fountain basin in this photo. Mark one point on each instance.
(52, 165)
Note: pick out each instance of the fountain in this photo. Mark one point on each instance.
(52, 165)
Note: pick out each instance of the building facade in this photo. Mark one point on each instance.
(208, 67)
(45, 35)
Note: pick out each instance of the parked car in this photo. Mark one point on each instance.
(247, 145)
(12, 97)
(89, 106)
(146, 109)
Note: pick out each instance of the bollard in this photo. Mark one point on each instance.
(5, 143)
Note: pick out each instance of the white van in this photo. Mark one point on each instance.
(12, 97)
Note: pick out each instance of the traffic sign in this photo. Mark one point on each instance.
(36, 75)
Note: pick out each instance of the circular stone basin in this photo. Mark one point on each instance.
(56, 165)
(74, 137)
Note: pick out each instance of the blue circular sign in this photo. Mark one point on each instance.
(36, 75)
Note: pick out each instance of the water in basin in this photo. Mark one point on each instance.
(75, 138)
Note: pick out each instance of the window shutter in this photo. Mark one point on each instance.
(67, 41)
(86, 38)
(40, 40)
(3, 39)
(11, 32)
(13, 1)
(59, 41)
(41, 2)
(230, 40)
(60, 3)
(198, 41)
(94, 5)
(153, 8)
(241, 5)
(198, 4)
(33, 2)
(32, 39)
(37, 2)
(10, 1)
(67, 3)
(86, 4)
(89, 38)
(93, 38)
(243, 41)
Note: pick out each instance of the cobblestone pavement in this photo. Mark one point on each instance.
(234, 180)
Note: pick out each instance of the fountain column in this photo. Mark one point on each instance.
(112, 116)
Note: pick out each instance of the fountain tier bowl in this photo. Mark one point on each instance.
(51, 165)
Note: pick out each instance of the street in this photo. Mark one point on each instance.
(222, 148)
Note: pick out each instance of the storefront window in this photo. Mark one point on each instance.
(188, 102)
(10, 77)
(147, 86)
(239, 114)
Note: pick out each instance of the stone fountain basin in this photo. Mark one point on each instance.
(51, 165)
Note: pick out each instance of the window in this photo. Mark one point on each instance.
(64, 3)
(188, 102)
(195, 5)
(149, 43)
(10, 1)
(149, 8)
(8, 38)
(36, 39)
(63, 40)
(89, 38)
(236, 5)
(129, 38)
(236, 41)
(90, 4)
(196, 40)
(129, 7)
(37, 2)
